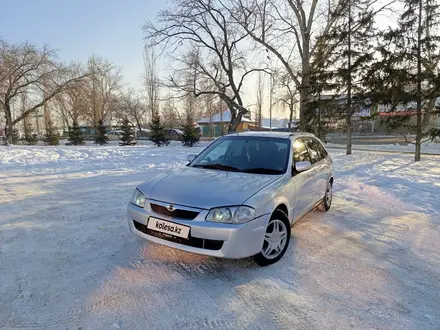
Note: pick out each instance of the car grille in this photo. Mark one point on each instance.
(208, 244)
(177, 213)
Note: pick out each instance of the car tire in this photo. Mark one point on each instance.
(280, 221)
(326, 203)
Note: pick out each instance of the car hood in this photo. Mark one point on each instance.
(202, 188)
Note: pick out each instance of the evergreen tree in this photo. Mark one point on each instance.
(52, 137)
(127, 137)
(345, 72)
(191, 135)
(407, 74)
(76, 137)
(15, 135)
(158, 134)
(29, 136)
(101, 138)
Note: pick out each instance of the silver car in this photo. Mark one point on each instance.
(238, 198)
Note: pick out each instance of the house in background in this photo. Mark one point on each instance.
(217, 124)
(279, 124)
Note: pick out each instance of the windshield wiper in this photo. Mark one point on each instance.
(218, 167)
(262, 170)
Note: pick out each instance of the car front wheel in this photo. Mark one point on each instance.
(276, 239)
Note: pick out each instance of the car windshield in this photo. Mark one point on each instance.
(262, 155)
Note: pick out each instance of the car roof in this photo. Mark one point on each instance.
(284, 135)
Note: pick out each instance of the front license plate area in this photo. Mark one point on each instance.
(169, 228)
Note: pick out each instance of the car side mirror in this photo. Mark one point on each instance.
(303, 166)
(191, 157)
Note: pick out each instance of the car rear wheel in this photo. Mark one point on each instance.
(276, 239)
(327, 200)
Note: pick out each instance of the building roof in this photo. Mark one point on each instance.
(222, 118)
(284, 135)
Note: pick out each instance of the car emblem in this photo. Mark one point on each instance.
(171, 208)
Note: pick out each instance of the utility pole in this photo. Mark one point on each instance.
(221, 115)
(270, 102)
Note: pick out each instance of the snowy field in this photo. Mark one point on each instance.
(68, 260)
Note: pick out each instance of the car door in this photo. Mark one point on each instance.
(304, 181)
(318, 155)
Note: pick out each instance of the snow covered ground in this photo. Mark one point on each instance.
(68, 261)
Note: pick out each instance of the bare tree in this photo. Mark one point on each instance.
(105, 83)
(131, 107)
(288, 97)
(171, 115)
(209, 110)
(216, 54)
(151, 81)
(73, 104)
(26, 69)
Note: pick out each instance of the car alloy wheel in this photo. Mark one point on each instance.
(276, 239)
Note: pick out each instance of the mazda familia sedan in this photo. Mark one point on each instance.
(238, 198)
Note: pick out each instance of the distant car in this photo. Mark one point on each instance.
(173, 134)
(114, 135)
(142, 134)
(238, 198)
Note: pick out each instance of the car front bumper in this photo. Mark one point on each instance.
(221, 240)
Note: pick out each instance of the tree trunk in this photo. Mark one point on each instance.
(417, 155)
(138, 123)
(37, 123)
(8, 127)
(319, 122)
(349, 84)
(235, 121)
(291, 114)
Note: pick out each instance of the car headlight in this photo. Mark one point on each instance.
(233, 214)
(138, 199)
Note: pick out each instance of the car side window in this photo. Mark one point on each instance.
(321, 149)
(314, 151)
(300, 152)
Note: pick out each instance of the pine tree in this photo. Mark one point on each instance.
(52, 137)
(15, 135)
(76, 137)
(127, 137)
(347, 69)
(190, 134)
(406, 76)
(101, 138)
(29, 136)
(158, 134)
